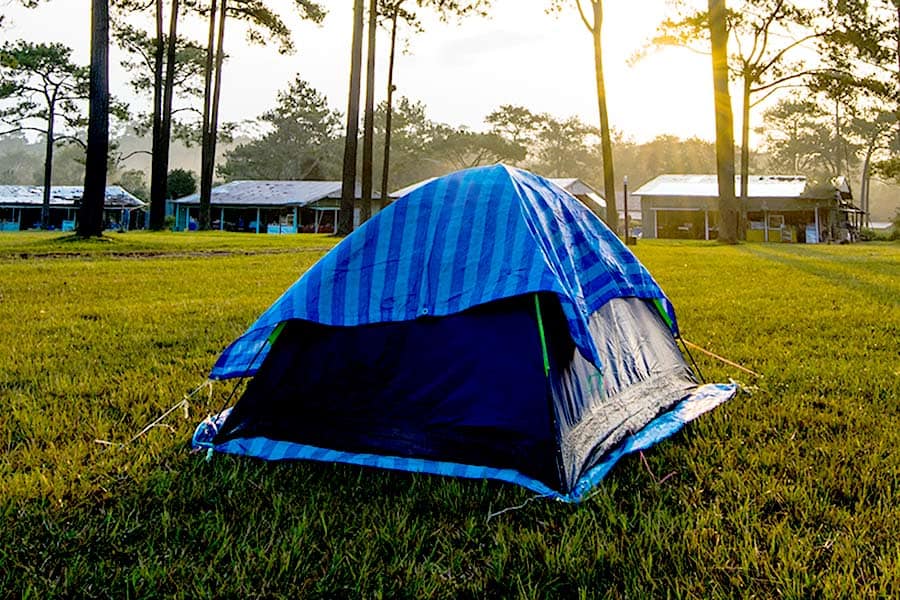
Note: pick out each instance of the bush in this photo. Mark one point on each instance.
(867, 235)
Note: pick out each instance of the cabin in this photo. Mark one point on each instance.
(271, 207)
(779, 208)
(20, 207)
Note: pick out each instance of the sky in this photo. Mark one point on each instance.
(461, 71)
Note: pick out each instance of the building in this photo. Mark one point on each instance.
(20, 207)
(779, 208)
(270, 206)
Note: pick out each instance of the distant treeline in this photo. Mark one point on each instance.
(302, 138)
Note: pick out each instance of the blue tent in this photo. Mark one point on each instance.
(485, 325)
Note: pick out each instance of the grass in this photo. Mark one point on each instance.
(791, 491)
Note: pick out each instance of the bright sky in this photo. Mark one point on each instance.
(461, 71)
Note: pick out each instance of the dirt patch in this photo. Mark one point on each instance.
(145, 254)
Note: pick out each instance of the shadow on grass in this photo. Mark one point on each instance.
(824, 270)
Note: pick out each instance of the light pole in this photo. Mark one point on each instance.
(625, 207)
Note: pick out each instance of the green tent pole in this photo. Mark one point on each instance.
(540, 322)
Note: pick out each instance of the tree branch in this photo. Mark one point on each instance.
(781, 80)
(778, 55)
(71, 139)
(130, 154)
(584, 18)
(17, 129)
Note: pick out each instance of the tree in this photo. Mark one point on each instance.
(799, 137)
(464, 149)
(412, 149)
(728, 209)
(878, 130)
(210, 109)
(20, 160)
(400, 10)
(90, 222)
(515, 123)
(264, 26)
(863, 52)
(166, 66)
(369, 116)
(768, 35)
(180, 183)
(134, 181)
(594, 25)
(865, 44)
(302, 141)
(42, 90)
(26, 4)
(348, 173)
(394, 10)
(563, 148)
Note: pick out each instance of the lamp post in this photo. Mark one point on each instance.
(625, 207)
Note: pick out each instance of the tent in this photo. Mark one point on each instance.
(485, 325)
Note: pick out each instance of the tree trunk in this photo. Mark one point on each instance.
(865, 179)
(160, 170)
(209, 166)
(157, 180)
(369, 117)
(91, 212)
(388, 117)
(841, 151)
(168, 93)
(724, 124)
(48, 165)
(745, 157)
(205, 156)
(609, 179)
(348, 182)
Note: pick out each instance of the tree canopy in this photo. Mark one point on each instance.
(43, 91)
(302, 141)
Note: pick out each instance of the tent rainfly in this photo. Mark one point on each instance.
(486, 325)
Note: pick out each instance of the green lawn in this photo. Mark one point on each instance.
(790, 490)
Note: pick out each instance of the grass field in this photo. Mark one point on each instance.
(791, 490)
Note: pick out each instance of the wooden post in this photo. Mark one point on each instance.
(706, 223)
(258, 216)
(818, 229)
(222, 219)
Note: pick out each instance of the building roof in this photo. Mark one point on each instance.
(63, 196)
(410, 188)
(272, 193)
(707, 186)
(577, 187)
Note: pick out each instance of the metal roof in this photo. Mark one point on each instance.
(577, 187)
(410, 188)
(273, 193)
(65, 196)
(707, 186)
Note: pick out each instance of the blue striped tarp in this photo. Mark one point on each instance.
(466, 239)
(701, 400)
